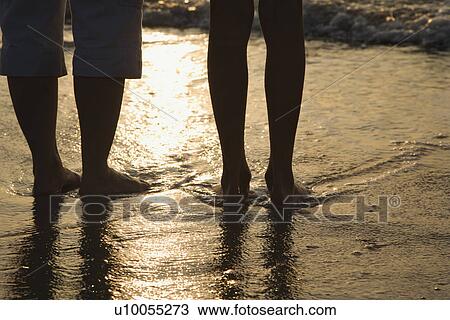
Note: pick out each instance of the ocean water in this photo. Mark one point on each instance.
(425, 23)
(380, 131)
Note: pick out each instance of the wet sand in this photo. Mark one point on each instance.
(382, 131)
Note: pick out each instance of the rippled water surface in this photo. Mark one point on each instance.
(425, 23)
(381, 130)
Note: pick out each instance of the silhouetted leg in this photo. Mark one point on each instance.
(99, 102)
(282, 26)
(231, 23)
(35, 101)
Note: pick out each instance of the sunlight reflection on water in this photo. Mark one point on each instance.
(384, 131)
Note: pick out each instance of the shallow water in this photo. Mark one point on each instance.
(425, 23)
(382, 130)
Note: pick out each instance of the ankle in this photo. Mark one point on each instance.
(229, 179)
(96, 173)
(47, 167)
(284, 176)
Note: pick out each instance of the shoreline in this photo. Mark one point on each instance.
(355, 23)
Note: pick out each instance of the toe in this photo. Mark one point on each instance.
(300, 189)
(144, 185)
(72, 182)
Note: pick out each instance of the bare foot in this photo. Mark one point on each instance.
(240, 185)
(58, 181)
(112, 183)
(285, 190)
(296, 194)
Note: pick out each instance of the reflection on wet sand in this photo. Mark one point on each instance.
(96, 251)
(36, 277)
(282, 279)
(230, 260)
(41, 277)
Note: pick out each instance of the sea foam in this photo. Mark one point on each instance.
(415, 22)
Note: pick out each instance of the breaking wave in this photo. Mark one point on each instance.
(425, 23)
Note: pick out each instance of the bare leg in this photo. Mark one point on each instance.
(231, 23)
(282, 26)
(99, 102)
(35, 101)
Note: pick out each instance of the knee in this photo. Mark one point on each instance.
(281, 21)
(231, 22)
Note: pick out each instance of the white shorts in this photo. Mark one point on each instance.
(107, 36)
